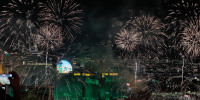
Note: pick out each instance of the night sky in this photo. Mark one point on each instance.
(102, 19)
(100, 16)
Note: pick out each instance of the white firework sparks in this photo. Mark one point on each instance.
(186, 8)
(127, 40)
(144, 32)
(149, 30)
(190, 38)
(64, 13)
(19, 19)
(49, 37)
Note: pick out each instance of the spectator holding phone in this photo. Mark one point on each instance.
(15, 84)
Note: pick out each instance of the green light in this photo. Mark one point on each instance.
(92, 81)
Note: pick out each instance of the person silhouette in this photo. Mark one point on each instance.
(15, 85)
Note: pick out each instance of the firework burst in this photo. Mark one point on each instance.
(127, 40)
(18, 21)
(190, 38)
(63, 13)
(179, 12)
(186, 8)
(49, 37)
(149, 31)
